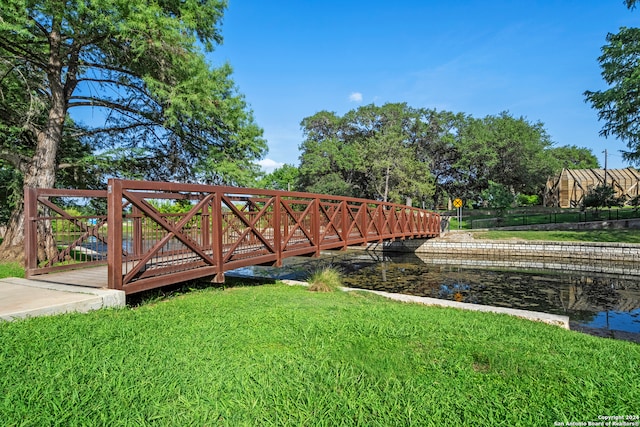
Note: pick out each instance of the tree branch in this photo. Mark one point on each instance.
(17, 160)
(93, 102)
(131, 86)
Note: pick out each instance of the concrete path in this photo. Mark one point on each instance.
(20, 298)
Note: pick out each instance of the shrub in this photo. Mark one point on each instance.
(325, 280)
(527, 200)
(602, 196)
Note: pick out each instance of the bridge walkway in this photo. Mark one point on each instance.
(153, 234)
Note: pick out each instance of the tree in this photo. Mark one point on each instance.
(504, 149)
(330, 161)
(371, 152)
(498, 196)
(389, 136)
(619, 105)
(602, 196)
(282, 178)
(438, 147)
(138, 64)
(573, 157)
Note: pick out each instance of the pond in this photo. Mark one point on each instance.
(596, 303)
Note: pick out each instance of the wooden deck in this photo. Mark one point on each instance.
(92, 277)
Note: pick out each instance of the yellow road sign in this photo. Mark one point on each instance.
(457, 203)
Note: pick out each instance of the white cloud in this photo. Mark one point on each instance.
(269, 165)
(355, 97)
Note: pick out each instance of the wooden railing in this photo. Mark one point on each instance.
(153, 234)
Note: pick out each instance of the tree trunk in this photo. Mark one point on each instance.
(41, 169)
(12, 248)
(41, 176)
(41, 173)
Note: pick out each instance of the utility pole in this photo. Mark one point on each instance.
(605, 167)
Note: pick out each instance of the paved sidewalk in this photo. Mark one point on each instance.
(20, 298)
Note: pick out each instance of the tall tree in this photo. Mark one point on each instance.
(370, 152)
(619, 105)
(139, 64)
(509, 151)
(573, 157)
(330, 161)
(389, 136)
(438, 146)
(282, 178)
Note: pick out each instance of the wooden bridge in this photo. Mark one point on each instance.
(152, 234)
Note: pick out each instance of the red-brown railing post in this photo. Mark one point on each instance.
(30, 230)
(114, 234)
(217, 246)
(344, 205)
(364, 226)
(277, 231)
(315, 224)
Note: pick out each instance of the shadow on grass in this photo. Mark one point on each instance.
(171, 291)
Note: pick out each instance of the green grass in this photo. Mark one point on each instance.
(11, 269)
(325, 280)
(474, 219)
(278, 355)
(614, 235)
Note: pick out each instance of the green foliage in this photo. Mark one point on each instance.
(507, 150)
(325, 280)
(573, 157)
(498, 196)
(172, 206)
(141, 67)
(618, 106)
(527, 200)
(395, 151)
(10, 190)
(371, 152)
(283, 178)
(328, 163)
(280, 355)
(602, 196)
(11, 269)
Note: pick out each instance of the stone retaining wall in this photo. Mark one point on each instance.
(615, 252)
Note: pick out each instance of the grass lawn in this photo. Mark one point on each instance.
(614, 235)
(279, 355)
(11, 269)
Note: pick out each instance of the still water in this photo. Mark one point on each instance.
(602, 304)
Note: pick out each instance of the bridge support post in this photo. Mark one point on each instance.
(30, 230)
(218, 256)
(114, 236)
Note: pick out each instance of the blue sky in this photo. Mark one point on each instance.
(534, 59)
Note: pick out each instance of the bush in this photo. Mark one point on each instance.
(527, 200)
(326, 280)
(602, 196)
(498, 197)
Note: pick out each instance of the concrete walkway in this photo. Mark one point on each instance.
(20, 298)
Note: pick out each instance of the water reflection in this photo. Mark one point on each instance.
(593, 301)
